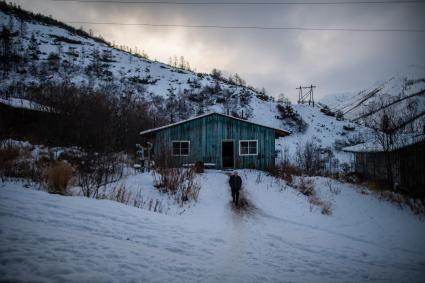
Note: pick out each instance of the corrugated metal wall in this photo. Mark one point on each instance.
(206, 135)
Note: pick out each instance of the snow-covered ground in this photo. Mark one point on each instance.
(324, 131)
(282, 239)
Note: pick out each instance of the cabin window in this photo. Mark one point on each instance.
(181, 148)
(248, 147)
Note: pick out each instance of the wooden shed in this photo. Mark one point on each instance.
(218, 140)
(407, 160)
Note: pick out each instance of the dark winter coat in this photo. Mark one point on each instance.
(235, 182)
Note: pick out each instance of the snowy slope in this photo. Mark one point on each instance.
(162, 82)
(132, 73)
(326, 132)
(402, 96)
(53, 238)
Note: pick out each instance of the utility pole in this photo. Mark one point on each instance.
(305, 94)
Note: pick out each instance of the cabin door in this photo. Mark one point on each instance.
(227, 153)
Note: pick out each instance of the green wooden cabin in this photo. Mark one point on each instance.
(218, 140)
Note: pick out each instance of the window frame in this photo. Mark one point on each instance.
(248, 154)
(180, 150)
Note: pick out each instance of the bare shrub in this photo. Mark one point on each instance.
(179, 182)
(377, 185)
(384, 192)
(314, 200)
(152, 205)
(16, 161)
(285, 171)
(111, 123)
(349, 177)
(259, 178)
(169, 179)
(332, 188)
(8, 156)
(97, 170)
(417, 206)
(326, 208)
(290, 116)
(120, 194)
(308, 158)
(8, 153)
(58, 177)
(306, 187)
(288, 178)
(163, 157)
(199, 167)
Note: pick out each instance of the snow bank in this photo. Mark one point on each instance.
(53, 238)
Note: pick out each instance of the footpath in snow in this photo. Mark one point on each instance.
(52, 238)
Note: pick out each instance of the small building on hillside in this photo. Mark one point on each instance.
(24, 119)
(407, 159)
(217, 140)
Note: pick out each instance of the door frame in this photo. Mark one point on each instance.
(222, 160)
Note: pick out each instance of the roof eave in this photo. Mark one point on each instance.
(282, 133)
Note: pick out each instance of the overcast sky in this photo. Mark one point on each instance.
(335, 61)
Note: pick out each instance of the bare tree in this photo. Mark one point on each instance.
(388, 138)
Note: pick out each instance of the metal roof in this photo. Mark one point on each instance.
(280, 132)
(21, 103)
(376, 146)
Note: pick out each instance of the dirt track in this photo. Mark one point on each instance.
(245, 205)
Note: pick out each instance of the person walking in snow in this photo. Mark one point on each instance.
(235, 182)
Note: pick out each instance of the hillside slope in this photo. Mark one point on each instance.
(52, 53)
(329, 133)
(401, 96)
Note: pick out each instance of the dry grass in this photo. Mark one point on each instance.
(58, 177)
(326, 208)
(17, 162)
(377, 186)
(8, 156)
(198, 167)
(384, 192)
(332, 187)
(306, 187)
(120, 194)
(286, 171)
(179, 182)
(417, 206)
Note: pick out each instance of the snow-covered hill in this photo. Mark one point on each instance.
(53, 54)
(325, 131)
(401, 96)
(52, 238)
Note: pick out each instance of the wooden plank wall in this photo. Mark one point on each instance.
(206, 135)
(408, 165)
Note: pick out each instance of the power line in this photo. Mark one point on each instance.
(247, 27)
(245, 3)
